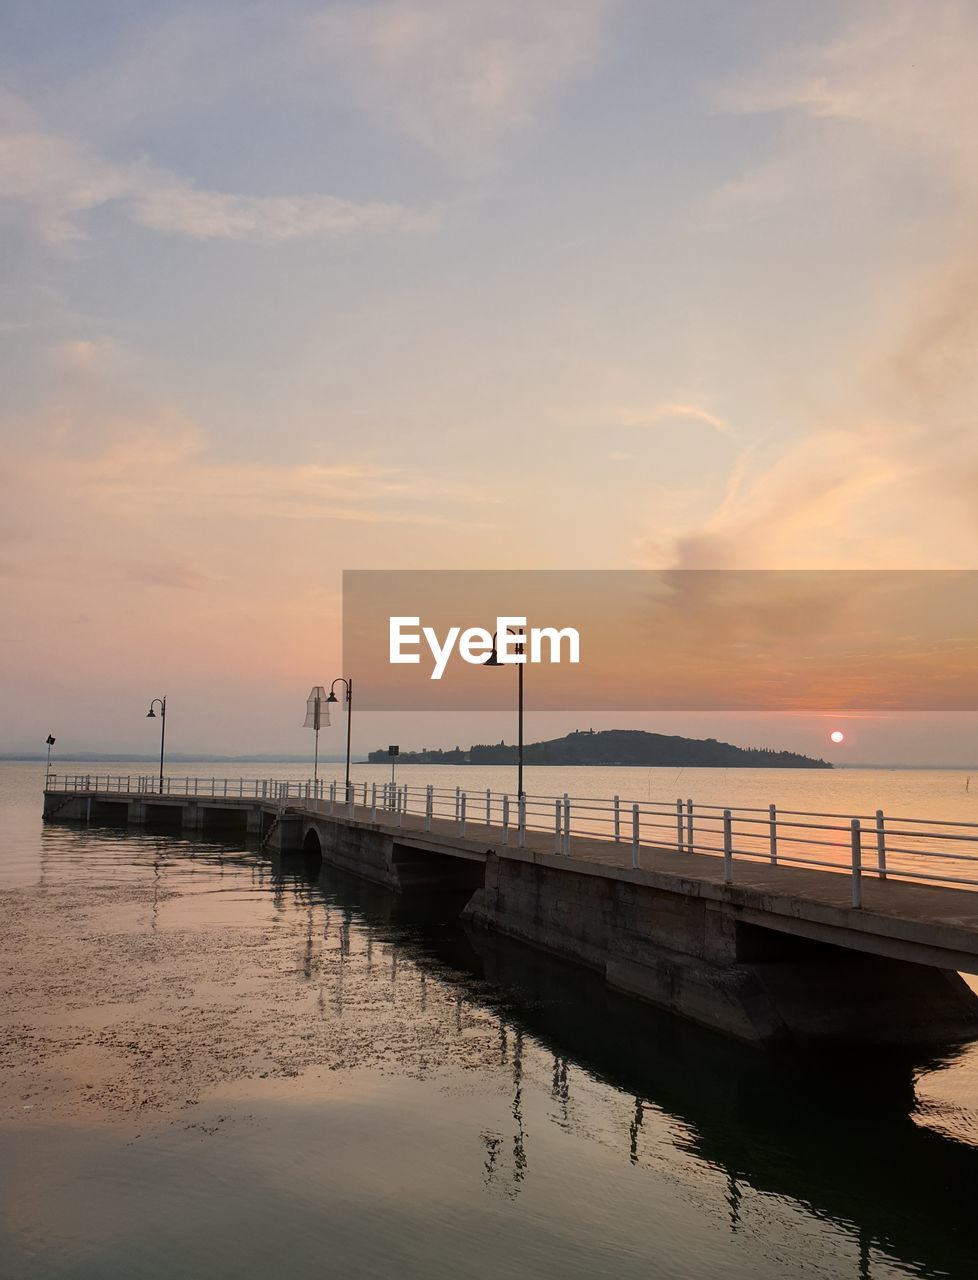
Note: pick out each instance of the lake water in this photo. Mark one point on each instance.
(214, 1065)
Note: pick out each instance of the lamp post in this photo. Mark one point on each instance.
(348, 686)
(50, 743)
(151, 715)
(493, 661)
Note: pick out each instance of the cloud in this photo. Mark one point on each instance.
(86, 356)
(887, 480)
(886, 475)
(668, 412)
(59, 179)
(896, 84)
(178, 576)
(458, 77)
(207, 215)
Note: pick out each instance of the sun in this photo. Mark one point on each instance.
(837, 735)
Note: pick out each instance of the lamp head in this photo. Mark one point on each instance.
(151, 714)
(493, 660)
(331, 697)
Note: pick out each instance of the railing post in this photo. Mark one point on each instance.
(458, 797)
(488, 807)
(520, 818)
(617, 819)
(727, 847)
(557, 842)
(773, 833)
(461, 814)
(635, 831)
(332, 795)
(689, 826)
(880, 845)
(566, 824)
(679, 825)
(429, 806)
(857, 864)
(350, 802)
(400, 808)
(506, 818)
(373, 802)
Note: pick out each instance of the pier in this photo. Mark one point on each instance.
(768, 926)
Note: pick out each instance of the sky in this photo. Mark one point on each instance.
(295, 288)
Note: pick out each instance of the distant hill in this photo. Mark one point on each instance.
(616, 747)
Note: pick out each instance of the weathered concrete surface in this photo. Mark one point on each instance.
(779, 954)
(686, 953)
(377, 853)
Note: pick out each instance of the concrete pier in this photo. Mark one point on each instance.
(780, 955)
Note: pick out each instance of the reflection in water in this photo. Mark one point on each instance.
(835, 1134)
(519, 1137)
(834, 1138)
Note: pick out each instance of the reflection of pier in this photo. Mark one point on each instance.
(834, 1133)
(780, 953)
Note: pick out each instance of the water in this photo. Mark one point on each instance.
(213, 1065)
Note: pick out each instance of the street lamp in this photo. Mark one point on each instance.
(493, 661)
(348, 686)
(49, 740)
(151, 715)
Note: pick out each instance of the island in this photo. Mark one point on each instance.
(622, 747)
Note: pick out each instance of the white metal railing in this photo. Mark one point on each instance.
(148, 785)
(927, 851)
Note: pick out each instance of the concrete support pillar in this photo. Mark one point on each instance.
(191, 816)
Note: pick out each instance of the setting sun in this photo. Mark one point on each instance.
(837, 735)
